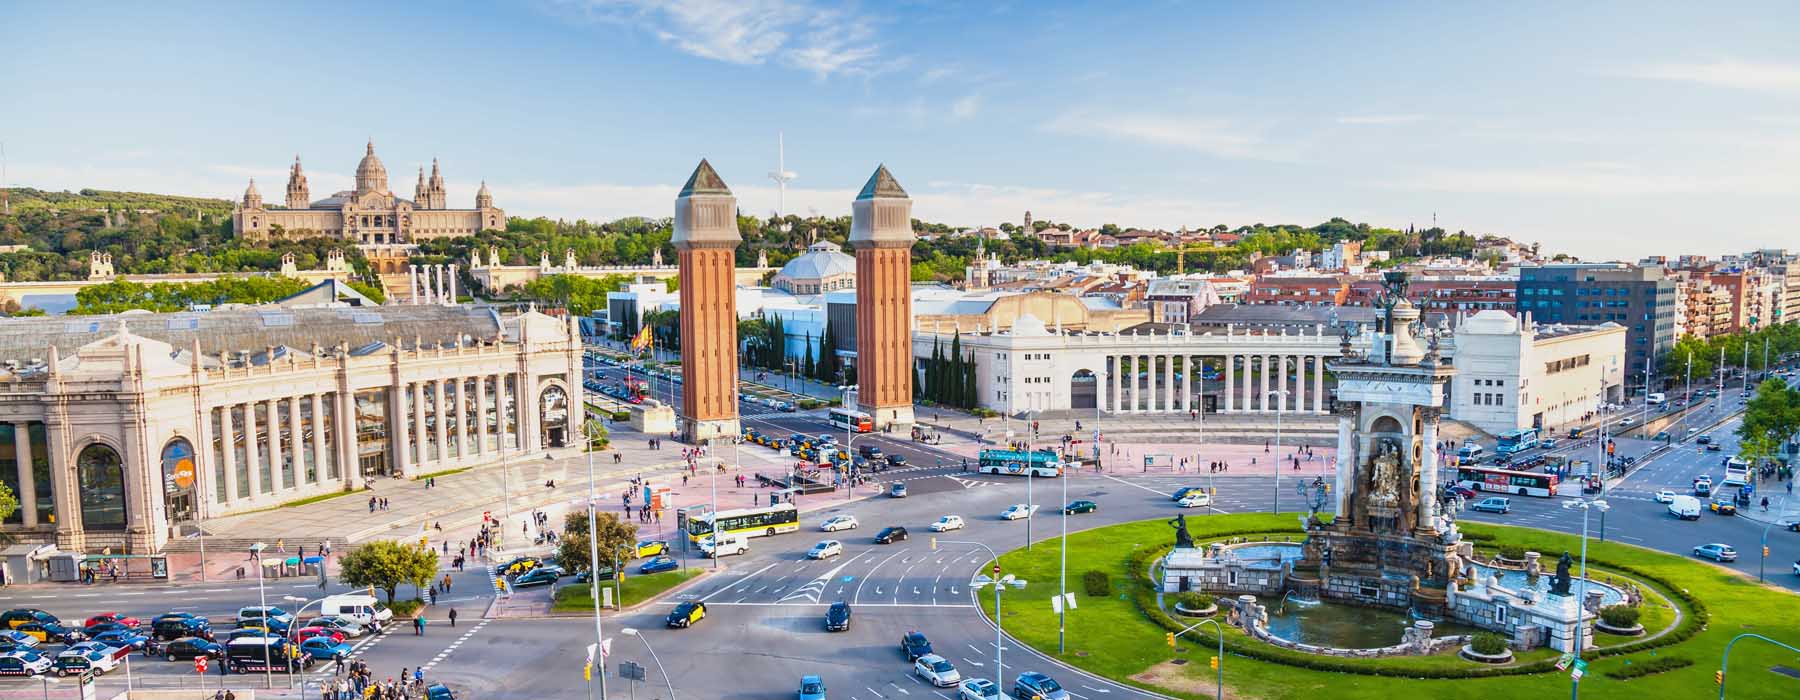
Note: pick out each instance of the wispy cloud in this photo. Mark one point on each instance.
(965, 106)
(1212, 136)
(1595, 179)
(1727, 72)
(1380, 119)
(935, 75)
(820, 40)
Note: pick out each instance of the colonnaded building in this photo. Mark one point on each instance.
(370, 214)
(118, 430)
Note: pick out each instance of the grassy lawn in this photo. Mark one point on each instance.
(315, 499)
(633, 590)
(1109, 636)
(446, 472)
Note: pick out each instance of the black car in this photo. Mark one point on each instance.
(687, 613)
(18, 616)
(837, 617)
(870, 451)
(896, 460)
(1703, 439)
(537, 577)
(914, 645)
(178, 625)
(890, 535)
(192, 647)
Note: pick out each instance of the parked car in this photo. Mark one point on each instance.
(1665, 496)
(837, 617)
(11, 619)
(1032, 685)
(1018, 511)
(825, 549)
(936, 670)
(978, 689)
(1716, 551)
(659, 563)
(306, 633)
(1493, 504)
(122, 638)
(890, 535)
(914, 645)
(351, 629)
(191, 647)
(1082, 506)
(838, 522)
(947, 523)
(52, 632)
(24, 663)
(112, 618)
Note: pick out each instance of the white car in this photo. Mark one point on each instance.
(937, 670)
(825, 549)
(1018, 511)
(947, 523)
(99, 661)
(838, 522)
(1665, 496)
(1628, 420)
(1199, 499)
(977, 689)
(24, 662)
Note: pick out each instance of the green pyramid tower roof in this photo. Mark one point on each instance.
(882, 186)
(705, 180)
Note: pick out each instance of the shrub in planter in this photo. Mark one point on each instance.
(1488, 644)
(1096, 583)
(1194, 601)
(1512, 552)
(1619, 616)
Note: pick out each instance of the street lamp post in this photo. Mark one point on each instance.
(632, 632)
(294, 627)
(1763, 553)
(262, 599)
(1219, 684)
(998, 583)
(594, 560)
(1725, 660)
(1062, 568)
(1586, 506)
(1283, 394)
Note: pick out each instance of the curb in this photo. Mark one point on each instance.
(704, 573)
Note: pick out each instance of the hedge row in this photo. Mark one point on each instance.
(1143, 596)
(1654, 666)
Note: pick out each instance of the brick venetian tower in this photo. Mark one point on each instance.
(706, 238)
(882, 236)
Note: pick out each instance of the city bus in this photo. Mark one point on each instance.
(855, 421)
(1517, 441)
(1017, 463)
(1508, 481)
(749, 522)
(1737, 472)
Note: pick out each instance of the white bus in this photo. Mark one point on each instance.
(1737, 472)
(855, 421)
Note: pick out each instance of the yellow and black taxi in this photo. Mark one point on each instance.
(52, 632)
(687, 613)
(1723, 506)
(518, 565)
(11, 619)
(24, 662)
(649, 548)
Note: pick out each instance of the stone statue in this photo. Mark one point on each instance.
(1183, 540)
(1559, 584)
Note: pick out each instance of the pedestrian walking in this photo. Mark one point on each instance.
(453, 617)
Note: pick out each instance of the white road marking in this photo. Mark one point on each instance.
(740, 590)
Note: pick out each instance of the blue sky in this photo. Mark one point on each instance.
(1603, 129)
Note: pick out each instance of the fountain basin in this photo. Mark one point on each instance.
(1328, 624)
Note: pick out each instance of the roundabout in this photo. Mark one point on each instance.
(1689, 612)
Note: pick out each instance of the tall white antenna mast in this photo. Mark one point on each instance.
(782, 176)
(5, 192)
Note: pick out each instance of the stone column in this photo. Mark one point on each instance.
(228, 455)
(1262, 397)
(277, 479)
(27, 478)
(1428, 473)
(1345, 465)
(1319, 384)
(452, 299)
(1230, 388)
(418, 411)
(299, 453)
(442, 408)
(345, 433)
(321, 461)
(1249, 383)
(1169, 387)
(1300, 383)
(481, 422)
(1100, 382)
(397, 430)
(1140, 396)
(1190, 379)
(461, 419)
(252, 461)
(1282, 380)
(1118, 383)
(412, 284)
(64, 492)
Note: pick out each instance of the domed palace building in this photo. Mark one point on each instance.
(822, 268)
(370, 215)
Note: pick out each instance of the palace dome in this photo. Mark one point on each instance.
(371, 175)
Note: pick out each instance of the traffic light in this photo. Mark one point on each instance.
(1765, 551)
(1171, 640)
(1215, 663)
(587, 672)
(1719, 677)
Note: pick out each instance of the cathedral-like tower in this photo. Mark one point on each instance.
(252, 198)
(371, 175)
(435, 197)
(297, 195)
(483, 198)
(419, 193)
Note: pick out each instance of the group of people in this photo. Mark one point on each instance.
(352, 680)
(377, 503)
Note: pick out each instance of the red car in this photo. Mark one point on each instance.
(306, 633)
(114, 617)
(1459, 491)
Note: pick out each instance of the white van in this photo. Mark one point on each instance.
(364, 609)
(1469, 450)
(1685, 507)
(729, 544)
(1656, 399)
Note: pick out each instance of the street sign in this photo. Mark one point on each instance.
(199, 664)
(996, 568)
(631, 671)
(1580, 669)
(1562, 664)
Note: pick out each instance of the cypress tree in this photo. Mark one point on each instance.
(969, 388)
(953, 387)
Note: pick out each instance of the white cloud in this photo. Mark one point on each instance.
(1596, 179)
(965, 107)
(1216, 137)
(1727, 72)
(936, 74)
(796, 33)
(1380, 119)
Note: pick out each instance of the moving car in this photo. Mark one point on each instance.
(1083, 506)
(438, 691)
(178, 625)
(324, 648)
(1018, 511)
(363, 608)
(14, 639)
(1493, 504)
(1704, 439)
(112, 618)
(896, 460)
(947, 523)
(811, 688)
(825, 549)
(729, 545)
(542, 576)
(1185, 491)
(518, 565)
(914, 645)
(890, 535)
(264, 616)
(11, 619)
(1714, 447)
(74, 662)
(837, 617)
(1685, 507)
(351, 629)
(1198, 499)
(123, 638)
(870, 452)
(265, 654)
(687, 613)
(898, 490)
(51, 632)
(1723, 506)
(978, 689)
(191, 647)
(659, 563)
(1797, 568)
(1716, 551)
(838, 522)
(1665, 496)
(1032, 685)
(936, 670)
(24, 663)
(1459, 491)
(649, 548)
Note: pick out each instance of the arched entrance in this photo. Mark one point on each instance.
(553, 415)
(178, 481)
(1084, 391)
(102, 478)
